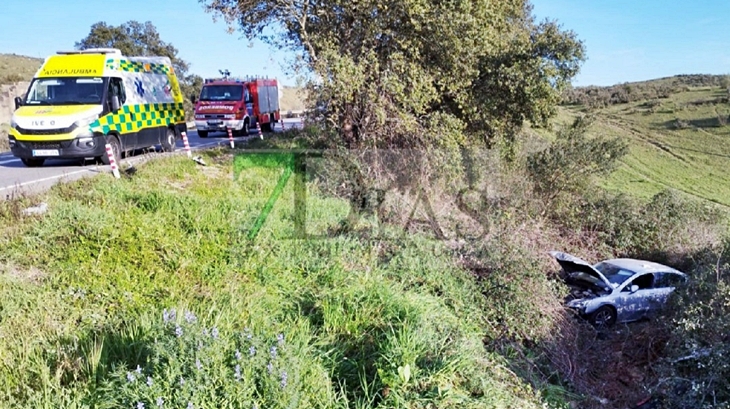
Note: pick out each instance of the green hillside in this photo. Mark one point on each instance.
(678, 133)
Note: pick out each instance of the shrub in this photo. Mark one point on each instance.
(696, 371)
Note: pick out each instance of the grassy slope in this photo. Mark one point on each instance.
(692, 160)
(83, 290)
(14, 68)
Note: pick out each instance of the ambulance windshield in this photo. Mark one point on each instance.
(222, 93)
(66, 91)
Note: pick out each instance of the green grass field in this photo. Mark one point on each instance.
(677, 143)
(151, 290)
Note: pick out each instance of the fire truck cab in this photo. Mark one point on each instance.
(237, 103)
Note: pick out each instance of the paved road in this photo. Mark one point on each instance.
(16, 179)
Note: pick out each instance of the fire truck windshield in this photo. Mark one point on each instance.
(221, 93)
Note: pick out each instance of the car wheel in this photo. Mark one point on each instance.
(603, 317)
(168, 144)
(32, 162)
(203, 134)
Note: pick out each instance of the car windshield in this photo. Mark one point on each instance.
(66, 91)
(613, 274)
(222, 93)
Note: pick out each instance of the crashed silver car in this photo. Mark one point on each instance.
(618, 290)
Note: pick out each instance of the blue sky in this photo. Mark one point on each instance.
(634, 40)
(626, 40)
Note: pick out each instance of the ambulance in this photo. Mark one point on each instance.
(238, 104)
(79, 101)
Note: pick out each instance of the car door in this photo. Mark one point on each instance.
(664, 284)
(116, 88)
(636, 298)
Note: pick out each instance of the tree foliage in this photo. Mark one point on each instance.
(397, 73)
(142, 39)
(572, 160)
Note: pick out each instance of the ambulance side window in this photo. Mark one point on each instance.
(246, 95)
(116, 87)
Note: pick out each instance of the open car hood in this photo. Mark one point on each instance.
(579, 269)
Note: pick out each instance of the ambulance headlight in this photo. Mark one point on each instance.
(86, 121)
(13, 124)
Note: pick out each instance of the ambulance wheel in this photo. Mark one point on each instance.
(32, 163)
(203, 134)
(168, 144)
(116, 150)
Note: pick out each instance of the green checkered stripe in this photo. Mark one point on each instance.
(137, 66)
(137, 117)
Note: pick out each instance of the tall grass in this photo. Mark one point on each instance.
(88, 292)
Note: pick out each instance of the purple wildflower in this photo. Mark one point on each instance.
(205, 332)
(237, 375)
(273, 352)
(160, 402)
(149, 381)
(139, 370)
(247, 332)
(252, 350)
(178, 331)
(198, 364)
(284, 377)
(130, 377)
(140, 405)
(165, 316)
(238, 355)
(270, 367)
(190, 317)
(214, 333)
(182, 381)
(280, 339)
(190, 405)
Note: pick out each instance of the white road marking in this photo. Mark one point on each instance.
(30, 182)
(4, 161)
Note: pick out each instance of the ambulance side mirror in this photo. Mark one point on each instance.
(18, 102)
(115, 103)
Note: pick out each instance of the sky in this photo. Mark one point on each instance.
(625, 40)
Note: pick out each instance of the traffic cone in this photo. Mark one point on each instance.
(230, 138)
(112, 161)
(258, 127)
(187, 144)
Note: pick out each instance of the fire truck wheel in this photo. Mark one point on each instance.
(203, 134)
(246, 129)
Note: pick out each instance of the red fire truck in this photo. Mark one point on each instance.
(237, 103)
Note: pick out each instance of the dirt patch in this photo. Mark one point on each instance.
(30, 276)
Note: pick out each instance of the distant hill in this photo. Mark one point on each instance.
(15, 68)
(595, 96)
(678, 130)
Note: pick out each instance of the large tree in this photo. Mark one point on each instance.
(418, 72)
(137, 39)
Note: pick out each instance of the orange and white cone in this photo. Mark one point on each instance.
(187, 144)
(258, 127)
(230, 138)
(112, 161)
